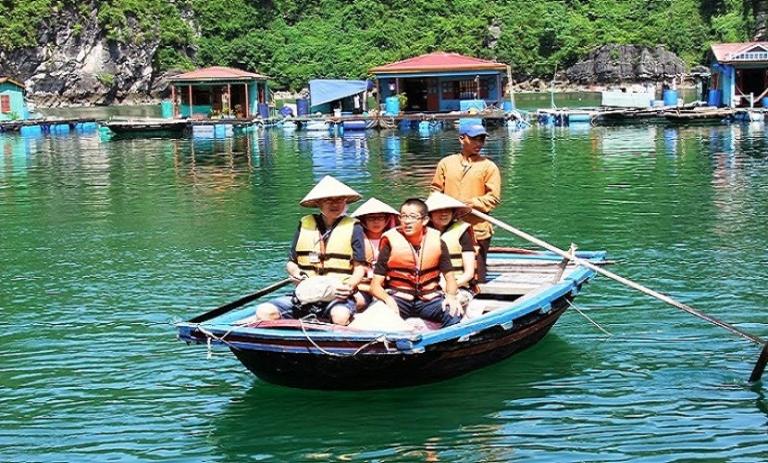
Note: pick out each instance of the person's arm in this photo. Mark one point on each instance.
(492, 196)
(359, 265)
(451, 288)
(292, 267)
(294, 272)
(468, 257)
(345, 289)
(438, 180)
(377, 291)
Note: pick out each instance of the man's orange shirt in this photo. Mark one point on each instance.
(476, 182)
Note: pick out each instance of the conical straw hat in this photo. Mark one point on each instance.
(329, 187)
(374, 206)
(437, 201)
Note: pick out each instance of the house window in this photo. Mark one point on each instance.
(465, 89)
(5, 104)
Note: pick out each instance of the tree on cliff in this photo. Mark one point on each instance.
(760, 13)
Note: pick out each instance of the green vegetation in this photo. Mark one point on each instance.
(295, 40)
(106, 79)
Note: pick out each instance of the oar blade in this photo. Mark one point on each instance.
(757, 372)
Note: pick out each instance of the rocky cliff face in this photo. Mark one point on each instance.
(626, 63)
(75, 63)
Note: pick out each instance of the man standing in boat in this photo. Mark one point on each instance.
(474, 180)
(329, 243)
(407, 273)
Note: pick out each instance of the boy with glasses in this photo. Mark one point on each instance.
(407, 273)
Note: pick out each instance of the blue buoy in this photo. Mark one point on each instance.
(670, 97)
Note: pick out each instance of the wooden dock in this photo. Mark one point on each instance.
(45, 124)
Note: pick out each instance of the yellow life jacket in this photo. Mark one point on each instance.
(452, 237)
(316, 257)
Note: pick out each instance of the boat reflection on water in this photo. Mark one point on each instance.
(464, 415)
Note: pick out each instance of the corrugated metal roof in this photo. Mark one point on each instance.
(439, 61)
(724, 51)
(4, 79)
(218, 73)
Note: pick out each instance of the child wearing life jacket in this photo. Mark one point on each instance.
(376, 217)
(445, 215)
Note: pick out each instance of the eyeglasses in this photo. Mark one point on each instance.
(411, 217)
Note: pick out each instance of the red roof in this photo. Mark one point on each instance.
(13, 81)
(439, 61)
(218, 73)
(724, 51)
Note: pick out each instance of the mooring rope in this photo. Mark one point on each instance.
(587, 317)
(380, 339)
(221, 339)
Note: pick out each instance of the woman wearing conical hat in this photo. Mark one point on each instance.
(329, 244)
(376, 217)
(445, 215)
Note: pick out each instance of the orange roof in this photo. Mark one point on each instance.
(4, 79)
(724, 51)
(439, 61)
(218, 73)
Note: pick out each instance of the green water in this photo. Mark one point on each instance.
(105, 243)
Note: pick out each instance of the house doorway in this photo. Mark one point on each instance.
(416, 90)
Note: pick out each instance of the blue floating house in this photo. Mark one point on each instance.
(219, 90)
(350, 96)
(438, 82)
(739, 74)
(12, 104)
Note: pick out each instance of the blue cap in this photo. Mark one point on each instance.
(473, 130)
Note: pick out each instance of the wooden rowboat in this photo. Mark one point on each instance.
(526, 294)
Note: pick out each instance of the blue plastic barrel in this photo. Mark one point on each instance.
(302, 107)
(670, 97)
(392, 105)
(264, 110)
(715, 97)
(765, 102)
(507, 106)
(166, 109)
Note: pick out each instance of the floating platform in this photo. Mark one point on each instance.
(45, 124)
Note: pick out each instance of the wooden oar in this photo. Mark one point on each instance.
(759, 367)
(240, 302)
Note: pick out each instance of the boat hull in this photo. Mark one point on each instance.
(313, 370)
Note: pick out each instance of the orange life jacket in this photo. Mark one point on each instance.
(412, 275)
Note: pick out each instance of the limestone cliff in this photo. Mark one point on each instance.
(626, 63)
(75, 63)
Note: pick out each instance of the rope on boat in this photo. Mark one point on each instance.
(380, 339)
(587, 317)
(210, 336)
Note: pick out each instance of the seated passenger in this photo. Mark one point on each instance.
(376, 217)
(329, 243)
(444, 216)
(407, 274)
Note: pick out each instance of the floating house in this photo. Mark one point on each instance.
(218, 90)
(739, 74)
(437, 82)
(12, 104)
(348, 96)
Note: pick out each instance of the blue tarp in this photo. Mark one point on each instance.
(327, 90)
